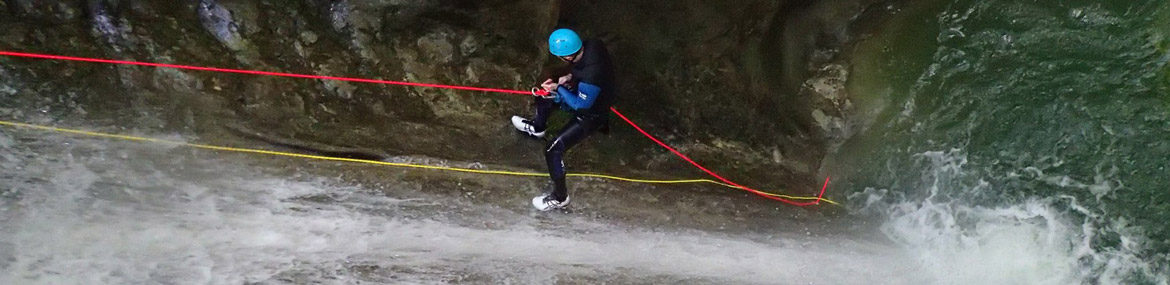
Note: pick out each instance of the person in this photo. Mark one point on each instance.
(587, 91)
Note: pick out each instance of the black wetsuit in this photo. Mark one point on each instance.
(588, 96)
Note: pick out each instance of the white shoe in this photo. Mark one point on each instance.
(545, 202)
(524, 125)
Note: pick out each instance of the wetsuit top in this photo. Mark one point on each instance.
(592, 90)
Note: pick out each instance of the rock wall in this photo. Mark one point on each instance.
(480, 43)
(751, 88)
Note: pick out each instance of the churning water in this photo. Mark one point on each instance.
(1019, 142)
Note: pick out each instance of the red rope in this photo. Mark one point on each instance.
(254, 72)
(540, 92)
(688, 159)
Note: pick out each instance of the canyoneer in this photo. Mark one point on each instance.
(586, 91)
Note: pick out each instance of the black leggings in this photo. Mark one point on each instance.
(574, 132)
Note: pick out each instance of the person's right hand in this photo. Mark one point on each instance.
(549, 85)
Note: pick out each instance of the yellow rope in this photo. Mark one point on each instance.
(318, 157)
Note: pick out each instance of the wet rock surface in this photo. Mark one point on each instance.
(754, 88)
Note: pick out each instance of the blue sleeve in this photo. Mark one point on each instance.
(586, 95)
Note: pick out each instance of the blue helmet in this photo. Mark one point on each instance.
(564, 42)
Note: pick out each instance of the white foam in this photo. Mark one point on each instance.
(151, 217)
(1036, 241)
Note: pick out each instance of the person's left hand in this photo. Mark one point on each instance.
(564, 79)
